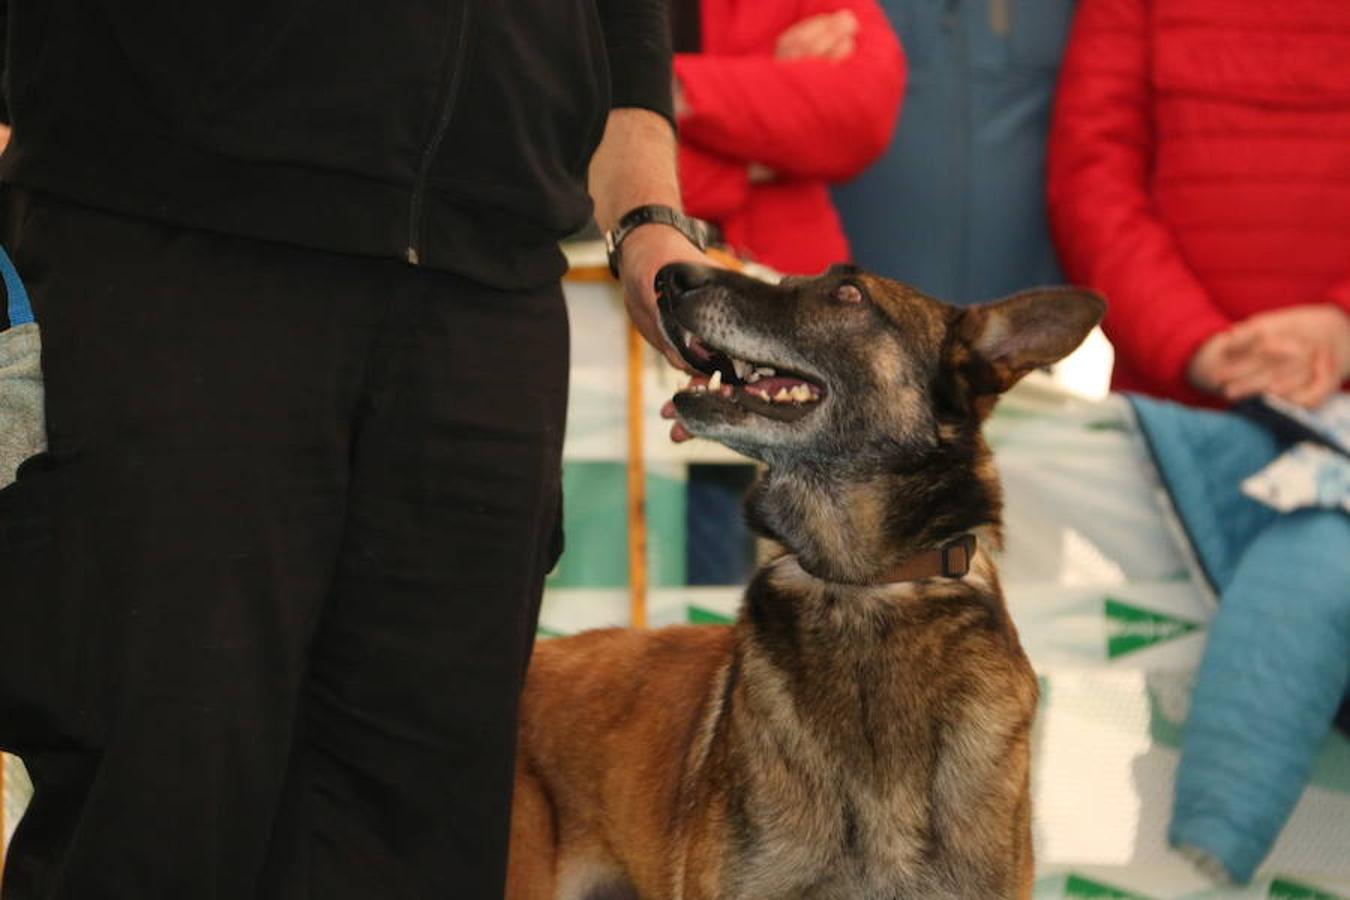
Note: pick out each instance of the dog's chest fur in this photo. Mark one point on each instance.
(894, 684)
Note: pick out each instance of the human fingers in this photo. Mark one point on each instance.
(1271, 365)
(645, 251)
(1230, 356)
(678, 433)
(1249, 351)
(816, 36)
(842, 49)
(1317, 389)
(1202, 367)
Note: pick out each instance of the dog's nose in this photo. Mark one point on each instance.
(679, 278)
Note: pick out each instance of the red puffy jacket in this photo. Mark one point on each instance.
(811, 121)
(1200, 169)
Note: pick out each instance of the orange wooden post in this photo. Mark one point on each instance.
(637, 487)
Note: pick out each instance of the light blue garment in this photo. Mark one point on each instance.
(22, 426)
(1277, 659)
(956, 206)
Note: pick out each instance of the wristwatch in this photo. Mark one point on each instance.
(697, 231)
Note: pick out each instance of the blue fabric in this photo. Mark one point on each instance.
(18, 311)
(719, 547)
(956, 206)
(1277, 660)
(1203, 456)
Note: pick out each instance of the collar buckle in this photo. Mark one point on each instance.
(956, 555)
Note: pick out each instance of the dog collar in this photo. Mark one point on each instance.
(951, 560)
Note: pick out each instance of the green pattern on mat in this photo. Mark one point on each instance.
(1284, 889)
(596, 528)
(1077, 886)
(1130, 628)
(697, 615)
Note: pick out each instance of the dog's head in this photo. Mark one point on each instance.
(848, 370)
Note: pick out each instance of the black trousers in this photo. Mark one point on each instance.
(266, 605)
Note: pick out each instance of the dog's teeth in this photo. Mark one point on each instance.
(765, 371)
(715, 382)
(759, 392)
(688, 339)
(801, 393)
(753, 376)
(782, 395)
(742, 368)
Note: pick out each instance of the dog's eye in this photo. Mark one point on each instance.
(848, 293)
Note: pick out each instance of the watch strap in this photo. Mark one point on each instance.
(697, 231)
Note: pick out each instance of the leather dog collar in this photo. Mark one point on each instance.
(951, 560)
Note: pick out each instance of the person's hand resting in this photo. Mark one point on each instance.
(829, 36)
(1300, 354)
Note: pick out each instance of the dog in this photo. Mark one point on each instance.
(862, 731)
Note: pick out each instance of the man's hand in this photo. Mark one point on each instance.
(831, 36)
(645, 250)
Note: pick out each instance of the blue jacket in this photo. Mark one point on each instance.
(956, 206)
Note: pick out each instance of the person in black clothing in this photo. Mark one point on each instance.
(268, 598)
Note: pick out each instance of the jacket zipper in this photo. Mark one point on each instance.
(412, 254)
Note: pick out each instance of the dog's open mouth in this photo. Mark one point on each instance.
(760, 387)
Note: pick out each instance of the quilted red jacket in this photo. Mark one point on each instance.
(810, 121)
(1199, 169)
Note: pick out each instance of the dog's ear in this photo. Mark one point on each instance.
(1010, 337)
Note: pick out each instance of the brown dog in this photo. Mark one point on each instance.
(862, 731)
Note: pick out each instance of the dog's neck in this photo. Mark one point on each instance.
(856, 530)
(853, 662)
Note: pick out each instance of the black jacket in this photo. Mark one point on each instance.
(450, 133)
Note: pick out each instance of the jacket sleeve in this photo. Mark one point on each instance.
(1340, 294)
(712, 187)
(637, 42)
(812, 118)
(1108, 231)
